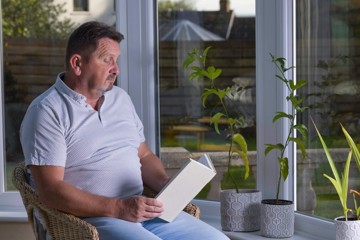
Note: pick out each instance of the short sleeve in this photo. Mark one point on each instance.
(42, 137)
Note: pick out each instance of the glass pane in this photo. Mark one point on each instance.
(185, 125)
(81, 5)
(327, 55)
(33, 54)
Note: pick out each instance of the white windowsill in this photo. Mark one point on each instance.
(13, 215)
(306, 227)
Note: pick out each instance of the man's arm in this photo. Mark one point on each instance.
(56, 193)
(152, 169)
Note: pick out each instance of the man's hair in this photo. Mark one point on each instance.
(84, 40)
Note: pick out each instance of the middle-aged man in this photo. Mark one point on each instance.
(85, 149)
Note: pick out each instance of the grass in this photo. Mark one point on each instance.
(9, 169)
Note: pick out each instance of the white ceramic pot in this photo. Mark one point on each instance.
(240, 211)
(347, 230)
(277, 219)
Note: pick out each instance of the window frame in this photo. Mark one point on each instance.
(275, 33)
(10, 202)
(139, 70)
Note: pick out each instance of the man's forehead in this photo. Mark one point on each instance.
(108, 46)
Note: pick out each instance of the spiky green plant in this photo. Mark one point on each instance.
(341, 184)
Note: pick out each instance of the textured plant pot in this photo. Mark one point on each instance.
(347, 230)
(240, 211)
(277, 219)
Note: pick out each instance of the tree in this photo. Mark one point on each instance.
(35, 19)
(166, 5)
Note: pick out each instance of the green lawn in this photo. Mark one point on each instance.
(9, 168)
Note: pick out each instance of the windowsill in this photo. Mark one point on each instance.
(13, 215)
(306, 227)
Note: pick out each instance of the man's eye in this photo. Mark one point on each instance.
(108, 60)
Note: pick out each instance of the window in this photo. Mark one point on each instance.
(325, 26)
(81, 5)
(327, 56)
(33, 51)
(185, 126)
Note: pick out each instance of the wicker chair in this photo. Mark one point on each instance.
(58, 225)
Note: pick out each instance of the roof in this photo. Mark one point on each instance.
(185, 30)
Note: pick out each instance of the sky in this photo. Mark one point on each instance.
(241, 7)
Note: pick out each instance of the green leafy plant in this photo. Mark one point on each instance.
(341, 184)
(296, 108)
(357, 209)
(196, 62)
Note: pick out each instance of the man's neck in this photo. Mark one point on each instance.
(94, 102)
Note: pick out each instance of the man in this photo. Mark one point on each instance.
(84, 146)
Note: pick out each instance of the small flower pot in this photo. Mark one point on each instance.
(240, 211)
(347, 230)
(277, 218)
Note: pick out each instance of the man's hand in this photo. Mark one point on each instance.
(139, 208)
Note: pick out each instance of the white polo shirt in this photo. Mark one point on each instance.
(99, 149)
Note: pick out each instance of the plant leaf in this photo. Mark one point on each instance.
(280, 115)
(328, 156)
(241, 142)
(204, 55)
(300, 144)
(337, 187)
(212, 72)
(189, 60)
(340, 185)
(353, 146)
(299, 83)
(215, 120)
(270, 147)
(284, 167)
(302, 129)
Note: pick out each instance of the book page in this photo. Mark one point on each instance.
(205, 160)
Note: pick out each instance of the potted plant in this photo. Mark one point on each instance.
(283, 210)
(240, 208)
(348, 225)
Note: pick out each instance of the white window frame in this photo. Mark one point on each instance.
(11, 206)
(136, 19)
(275, 34)
(138, 63)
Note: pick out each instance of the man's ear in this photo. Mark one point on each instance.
(75, 64)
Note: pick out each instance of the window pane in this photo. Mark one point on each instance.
(185, 128)
(327, 56)
(81, 5)
(33, 54)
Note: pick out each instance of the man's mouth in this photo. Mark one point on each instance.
(111, 78)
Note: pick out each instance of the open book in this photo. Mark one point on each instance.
(185, 185)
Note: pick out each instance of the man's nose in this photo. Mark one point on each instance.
(115, 70)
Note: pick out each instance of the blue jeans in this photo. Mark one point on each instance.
(184, 227)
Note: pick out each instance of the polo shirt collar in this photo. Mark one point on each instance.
(63, 88)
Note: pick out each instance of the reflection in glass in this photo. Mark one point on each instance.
(185, 126)
(327, 56)
(34, 41)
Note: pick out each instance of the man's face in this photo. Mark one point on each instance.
(100, 72)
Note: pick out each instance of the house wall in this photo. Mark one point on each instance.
(103, 11)
(16, 231)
